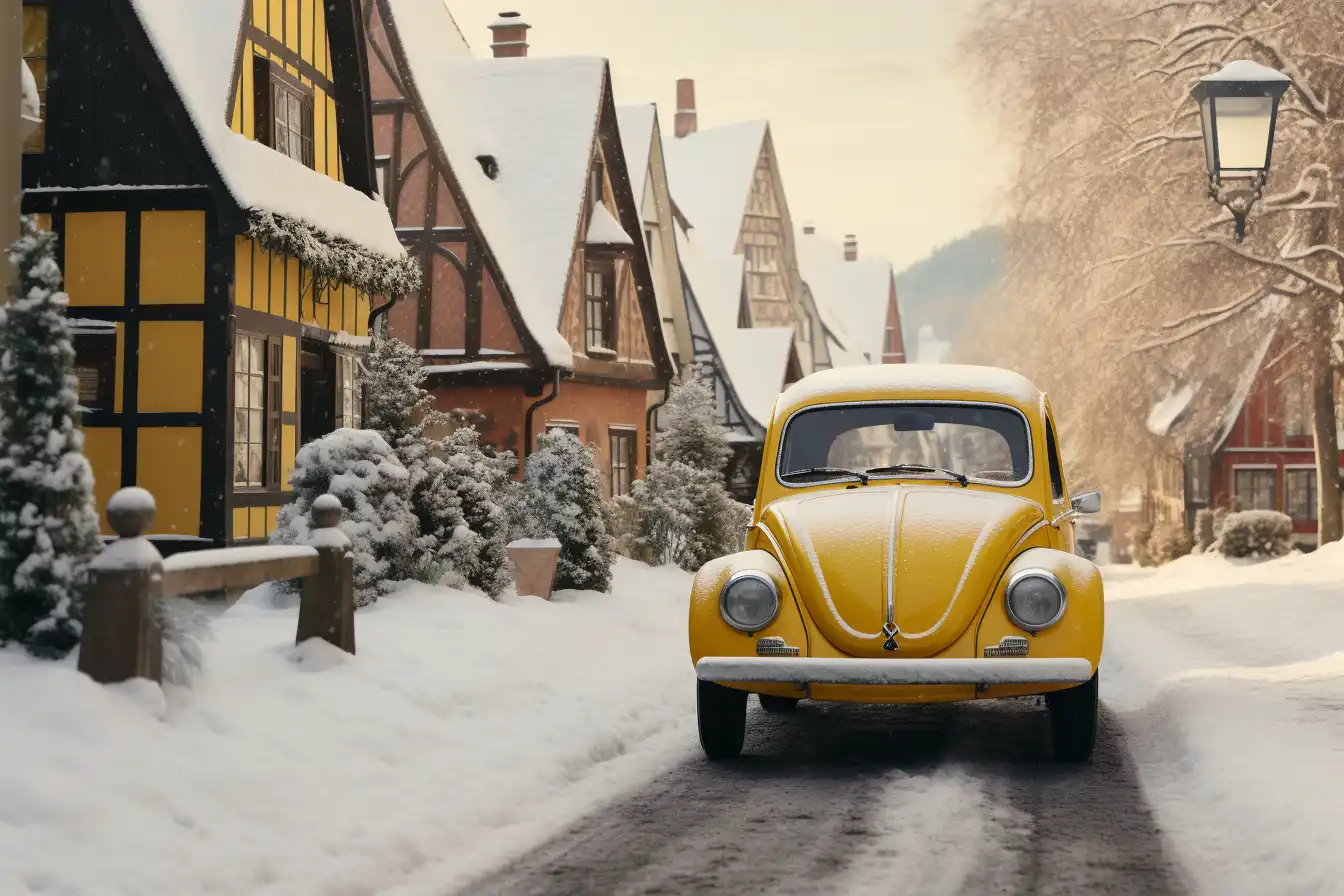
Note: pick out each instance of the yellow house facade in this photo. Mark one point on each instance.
(208, 169)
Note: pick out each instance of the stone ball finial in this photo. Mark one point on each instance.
(130, 512)
(327, 512)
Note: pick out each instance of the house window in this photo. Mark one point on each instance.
(1255, 489)
(256, 412)
(382, 166)
(599, 322)
(1296, 418)
(284, 111)
(564, 426)
(1299, 488)
(35, 54)
(96, 364)
(349, 393)
(597, 175)
(622, 460)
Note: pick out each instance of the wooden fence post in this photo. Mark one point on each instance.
(327, 601)
(122, 638)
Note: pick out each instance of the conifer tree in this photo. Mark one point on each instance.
(690, 432)
(562, 499)
(48, 523)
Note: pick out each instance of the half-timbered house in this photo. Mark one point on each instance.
(856, 298)
(208, 168)
(506, 178)
(727, 184)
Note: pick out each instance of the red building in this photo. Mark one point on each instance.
(506, 177)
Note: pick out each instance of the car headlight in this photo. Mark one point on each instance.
(1035, 599)
(749, 602)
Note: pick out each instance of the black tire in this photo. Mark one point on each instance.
(778, 705)
(722, 714)
(1073, 720)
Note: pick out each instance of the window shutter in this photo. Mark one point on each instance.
(263, 120)
(274, 364)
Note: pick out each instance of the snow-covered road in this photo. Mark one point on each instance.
(534, 747)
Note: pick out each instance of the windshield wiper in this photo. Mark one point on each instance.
(921, 468)
(827, 471)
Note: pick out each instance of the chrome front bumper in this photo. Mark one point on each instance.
(823, 670)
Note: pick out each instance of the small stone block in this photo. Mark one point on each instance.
(534, 569)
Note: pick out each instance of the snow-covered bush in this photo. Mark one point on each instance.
(1169, 541)
(622, 514)
(360, 469)
(561, 497)
(1256, 533)
(456, 491)
(1205, 534)
(686, 515)
(1220, 515)
(48, 523)
(1139, 536)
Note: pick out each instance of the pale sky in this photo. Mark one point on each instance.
(878, 131)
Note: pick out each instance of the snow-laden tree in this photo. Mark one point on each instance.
(561, 497)
(361, 470)
(1125, 278)
(456, 491)
(479, 483)
(685, 514)
(689, 431)
(48, 523)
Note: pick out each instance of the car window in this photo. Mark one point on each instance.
(986, 442)
(1056, 469)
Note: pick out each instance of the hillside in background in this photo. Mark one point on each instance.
(944, 288)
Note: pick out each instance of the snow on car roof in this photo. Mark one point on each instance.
(538, 119)
(197, 43)
(926, 381)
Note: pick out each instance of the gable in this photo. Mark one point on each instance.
(316, 47)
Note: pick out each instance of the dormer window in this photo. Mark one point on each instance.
(596, 176)
(284, 111)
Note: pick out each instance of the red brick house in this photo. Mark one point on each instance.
(506, 178)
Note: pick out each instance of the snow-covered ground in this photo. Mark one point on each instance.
(1229, 681)
(462, 730)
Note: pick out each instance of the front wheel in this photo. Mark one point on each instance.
(778, 705)
(1073, 720)
(722, 715)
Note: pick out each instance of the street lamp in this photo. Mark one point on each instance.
(1238, 107)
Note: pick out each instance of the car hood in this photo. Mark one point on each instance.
(927, 555)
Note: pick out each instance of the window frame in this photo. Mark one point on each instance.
(270, 76)
(1312, 494)
(599, 311)
(272, 398)
(36, 144)
(597, 177)
(348, 382)
(1271, 473)
(621, 475)
(96, 351)
(569, 426)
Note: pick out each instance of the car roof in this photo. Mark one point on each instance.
(947, 382)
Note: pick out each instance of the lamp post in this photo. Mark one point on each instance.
(1238, 108)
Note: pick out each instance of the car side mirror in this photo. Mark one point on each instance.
(1087, 502)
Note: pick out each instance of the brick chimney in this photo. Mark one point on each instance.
(809, 228)
(510, 36)
(851, 247)
(686, 119)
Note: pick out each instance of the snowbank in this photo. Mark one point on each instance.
(463, 730)
(1229, 679)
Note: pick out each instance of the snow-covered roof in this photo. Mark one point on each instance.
(756, 361)
(854, 294)
(710, 174)
(1244, 387)
(197, 43)
(538, 119)
(1163, 415)
(636, 126)
(605, 230)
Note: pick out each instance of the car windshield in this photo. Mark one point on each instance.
(983, 442)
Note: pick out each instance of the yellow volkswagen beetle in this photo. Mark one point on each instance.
(912, 541)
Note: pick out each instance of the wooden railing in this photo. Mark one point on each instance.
(122, 636)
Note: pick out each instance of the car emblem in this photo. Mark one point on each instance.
(891, 631)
